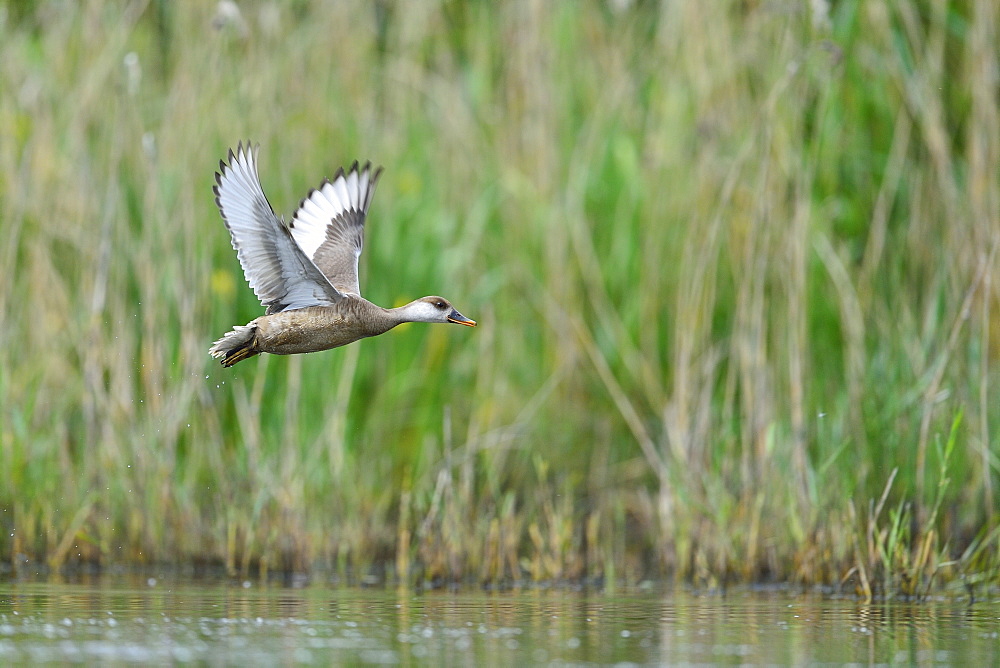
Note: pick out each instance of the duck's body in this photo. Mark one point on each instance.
(305, 273)
(321, 327)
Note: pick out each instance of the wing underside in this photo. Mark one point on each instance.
(280, 274)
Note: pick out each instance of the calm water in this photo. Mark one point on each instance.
(137, 621)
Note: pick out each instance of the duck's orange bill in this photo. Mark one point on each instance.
(460, 319)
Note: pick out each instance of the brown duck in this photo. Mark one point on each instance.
(306, 272)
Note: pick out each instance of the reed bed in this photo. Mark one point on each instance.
(732, 263)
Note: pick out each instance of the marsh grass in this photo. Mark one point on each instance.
(733, 266)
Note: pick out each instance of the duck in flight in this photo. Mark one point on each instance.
(305, 272)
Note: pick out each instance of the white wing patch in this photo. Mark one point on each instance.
(314, 215)
(329, 224)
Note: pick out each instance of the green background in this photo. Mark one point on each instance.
(732, 264)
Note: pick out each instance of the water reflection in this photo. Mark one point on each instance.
(116, 620)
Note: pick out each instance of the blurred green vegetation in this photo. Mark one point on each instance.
(732, 264)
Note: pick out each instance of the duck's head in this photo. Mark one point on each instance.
(435, 309)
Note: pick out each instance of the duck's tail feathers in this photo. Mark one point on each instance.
(236, 345)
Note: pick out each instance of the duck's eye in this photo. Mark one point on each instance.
(439, 304)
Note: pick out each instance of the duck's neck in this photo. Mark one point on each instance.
(400, 314)
(419, 310)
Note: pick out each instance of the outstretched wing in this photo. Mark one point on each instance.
(274, 266)
(329, 226)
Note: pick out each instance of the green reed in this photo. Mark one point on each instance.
(732, 267)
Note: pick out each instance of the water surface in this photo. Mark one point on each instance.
(168, 621)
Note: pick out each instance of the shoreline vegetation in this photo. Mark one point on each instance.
(733, 265)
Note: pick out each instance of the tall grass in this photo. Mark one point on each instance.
(733, 266)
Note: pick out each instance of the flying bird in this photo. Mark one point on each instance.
(305, 272)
